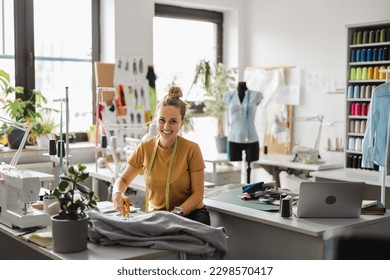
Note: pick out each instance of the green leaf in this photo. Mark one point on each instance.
(72, 170)
(81, 167)
(66, 178)
(5, 76)
(207, 76)
(56, 193)
(83, 176)
(63, 185)
(19, 89)
(83, 189)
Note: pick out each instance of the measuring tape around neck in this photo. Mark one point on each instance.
(168, 184)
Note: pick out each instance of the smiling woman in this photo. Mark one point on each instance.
(173, 166)
(170, 117)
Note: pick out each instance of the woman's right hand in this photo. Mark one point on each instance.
(121, 203)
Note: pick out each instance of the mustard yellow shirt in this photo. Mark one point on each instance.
(188, 158)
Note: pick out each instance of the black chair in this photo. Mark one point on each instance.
(362, 248)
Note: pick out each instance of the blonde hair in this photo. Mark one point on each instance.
(173, 99)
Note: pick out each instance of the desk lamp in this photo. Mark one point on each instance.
(278, 127)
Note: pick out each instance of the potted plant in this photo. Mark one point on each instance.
(91, 133)
(70, 225)
(216, 80)
(22, 111)
(13, 107)
(42, 129)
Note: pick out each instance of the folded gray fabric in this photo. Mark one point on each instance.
(158, 230)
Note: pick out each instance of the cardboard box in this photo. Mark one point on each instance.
(104, 76)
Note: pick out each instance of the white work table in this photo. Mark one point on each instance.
(373, 179)
(106, 175)
(14, 246)
(216, 159)
(276, 163)
(257, 234)
(352, 175)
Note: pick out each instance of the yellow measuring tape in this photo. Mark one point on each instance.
(168, 176)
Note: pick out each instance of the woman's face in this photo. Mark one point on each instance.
(169, 122)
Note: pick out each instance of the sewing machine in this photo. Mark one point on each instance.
(18, 189)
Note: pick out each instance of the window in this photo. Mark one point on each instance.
(182, 37)
(7, 52)
(61, 45)
(58, 62)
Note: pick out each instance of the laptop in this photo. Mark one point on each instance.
(330, 199)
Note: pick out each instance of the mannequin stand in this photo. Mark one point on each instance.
(245, 169)
(248, 172)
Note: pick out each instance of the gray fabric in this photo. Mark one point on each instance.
(158, 230)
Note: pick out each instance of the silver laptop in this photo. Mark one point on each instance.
(330, 199)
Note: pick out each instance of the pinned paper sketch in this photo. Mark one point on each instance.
(316, 82)
(289, 93)
(337, 83)
(129, 69)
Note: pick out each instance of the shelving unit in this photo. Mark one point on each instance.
(368, 49)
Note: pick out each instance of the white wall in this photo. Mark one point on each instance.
(233, 28)
(312, 35)
(309, 34)
(127, 29)
(107, 30)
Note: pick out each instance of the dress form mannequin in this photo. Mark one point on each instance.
(241, 106)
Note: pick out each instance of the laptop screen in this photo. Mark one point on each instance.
(330, 199)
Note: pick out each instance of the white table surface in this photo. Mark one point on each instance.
(308, 226)
(353, 175)
(105, 174)
(285, 161)
(93, 251)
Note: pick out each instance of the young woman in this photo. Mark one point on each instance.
(173, 166)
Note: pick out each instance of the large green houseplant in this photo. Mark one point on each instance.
(32, 110)
(70, 225)
(216, 79)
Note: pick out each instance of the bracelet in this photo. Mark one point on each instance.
(116, 193)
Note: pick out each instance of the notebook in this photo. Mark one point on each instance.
(330, 199)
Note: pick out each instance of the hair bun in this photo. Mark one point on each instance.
(175, 92)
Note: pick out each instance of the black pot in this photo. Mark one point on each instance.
(15, 139)
(69, 236)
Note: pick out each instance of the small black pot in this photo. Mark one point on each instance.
(15, 139)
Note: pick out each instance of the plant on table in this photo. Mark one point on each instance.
(74, 198)
(31, 111)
